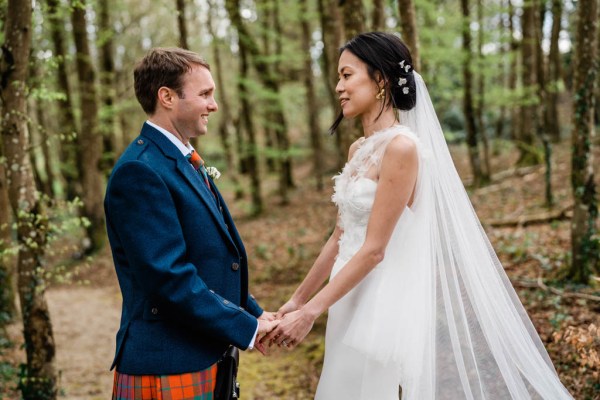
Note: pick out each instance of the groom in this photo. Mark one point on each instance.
(181, 264)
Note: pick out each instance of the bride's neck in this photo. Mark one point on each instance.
(374, 124)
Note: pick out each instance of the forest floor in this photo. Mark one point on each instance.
(282, 244)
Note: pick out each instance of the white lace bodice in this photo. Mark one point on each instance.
(355, 188)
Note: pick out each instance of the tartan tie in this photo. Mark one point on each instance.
(198, 164)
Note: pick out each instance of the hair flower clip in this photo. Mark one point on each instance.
(402, 81)
(405, 90)
(406, 67)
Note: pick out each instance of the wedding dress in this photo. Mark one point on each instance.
(438, 316)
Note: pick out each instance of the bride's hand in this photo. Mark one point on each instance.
(291, 330)
(287, 308)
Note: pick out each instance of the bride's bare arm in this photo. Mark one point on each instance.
(321, 268)
(318, 273)
(397, 179)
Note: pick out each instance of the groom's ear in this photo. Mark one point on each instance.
(165, 97)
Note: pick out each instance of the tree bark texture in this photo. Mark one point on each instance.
(271, 81)
(354, 23)
(7, 267)
(332, 30)
(584, 241)
(40, 380)
(67, 122)
(108, 129)
(410, 33)
(554, 75)
(378, 16)
(89, 138)
(526, 138)
(183, 34)
(468, 108)
(226, 122)
(515, 116)
(487, 170)
(249, 148)
(311, 99)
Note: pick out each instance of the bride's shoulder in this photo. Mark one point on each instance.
(354, 146)
(401, 146)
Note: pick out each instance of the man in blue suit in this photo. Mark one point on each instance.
(180, 261)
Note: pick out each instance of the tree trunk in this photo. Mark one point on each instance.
(40, 379)
(332, 28)
(354, 18)
(515, 116)
(183, 35)
(526, 138)
(468, 97)
(271, 82)
(89, 140)
(311, 100)
(7, 270)
(40, 149)
(66, 117)
(539, 117)
(585, 245)
(410, 34)
(287, 179)
(554, 75)
(378, 16)
(250, 150)
(108, 125)
(226, 123)
(354, 24)
(487, 171)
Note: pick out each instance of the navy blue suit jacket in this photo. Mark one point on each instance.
(180, 261)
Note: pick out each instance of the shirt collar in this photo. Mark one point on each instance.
(184, 148)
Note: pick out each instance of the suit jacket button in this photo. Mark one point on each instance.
(235, 266)
(221, 209)
(225, 301)
(226, 226)
(154, 310)
(140, 142)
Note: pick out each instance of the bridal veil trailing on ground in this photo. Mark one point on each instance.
(447, 320)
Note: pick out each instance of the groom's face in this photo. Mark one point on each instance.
(191, 110)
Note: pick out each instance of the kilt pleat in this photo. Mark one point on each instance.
(189, 386)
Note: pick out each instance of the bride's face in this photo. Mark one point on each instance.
(355, 88)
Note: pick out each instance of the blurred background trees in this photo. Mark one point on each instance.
(503, 74)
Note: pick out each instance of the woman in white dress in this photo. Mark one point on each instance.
(417, 298)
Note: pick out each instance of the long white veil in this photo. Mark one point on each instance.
(475, 338)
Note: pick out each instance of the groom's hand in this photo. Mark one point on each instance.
(268, 316)
(264, 327)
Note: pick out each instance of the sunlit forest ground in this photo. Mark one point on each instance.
(282, 244)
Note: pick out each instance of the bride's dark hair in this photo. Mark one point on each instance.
(386, 56)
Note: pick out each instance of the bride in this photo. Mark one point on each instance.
(417, 298)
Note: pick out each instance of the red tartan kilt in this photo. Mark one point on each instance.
(190, 386)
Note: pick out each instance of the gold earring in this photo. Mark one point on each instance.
(381, 94)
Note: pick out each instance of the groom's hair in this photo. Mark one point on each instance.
(163, 66)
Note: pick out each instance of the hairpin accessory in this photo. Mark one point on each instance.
(406, 67)
(402, 81)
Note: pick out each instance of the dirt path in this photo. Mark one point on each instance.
(85, 322)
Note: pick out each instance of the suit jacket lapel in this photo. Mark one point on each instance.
(193, 177)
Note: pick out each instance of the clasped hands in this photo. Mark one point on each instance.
(287, 327)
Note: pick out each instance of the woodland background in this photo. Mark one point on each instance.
(515, 85)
